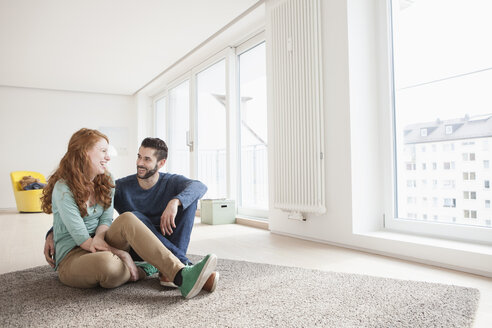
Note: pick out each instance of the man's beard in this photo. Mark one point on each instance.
(149, 173)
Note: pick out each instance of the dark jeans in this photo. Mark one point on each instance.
(179, 240)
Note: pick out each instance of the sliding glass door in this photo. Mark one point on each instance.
(211, 129)
(253, 129)
(216, 126)
(179, 135)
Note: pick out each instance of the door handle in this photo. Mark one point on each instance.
(189, 141)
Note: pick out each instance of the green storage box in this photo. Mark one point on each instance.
(218, 211)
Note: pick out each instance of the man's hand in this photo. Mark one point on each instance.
(49, 250)
(168, 216)
(127, 259)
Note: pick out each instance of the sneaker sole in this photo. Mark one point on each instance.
(216, 280)
(207, 270)
(168, 284)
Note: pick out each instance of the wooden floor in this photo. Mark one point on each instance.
(22, 241)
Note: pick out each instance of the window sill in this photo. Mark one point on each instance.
(429, 241)
(456, 255)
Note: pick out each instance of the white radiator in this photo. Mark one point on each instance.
(295, 97)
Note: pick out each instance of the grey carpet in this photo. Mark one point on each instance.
(249, 295)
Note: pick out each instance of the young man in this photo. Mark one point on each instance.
(166, 203)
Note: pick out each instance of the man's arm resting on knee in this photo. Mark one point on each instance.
(169, 215)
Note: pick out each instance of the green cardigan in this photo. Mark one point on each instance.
(69, 228)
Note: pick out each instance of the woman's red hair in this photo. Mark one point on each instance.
(74, 170)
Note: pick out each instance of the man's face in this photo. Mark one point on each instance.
(147, 164)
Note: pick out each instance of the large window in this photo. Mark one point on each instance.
(179, 135)
(212, 129)
(442, 60)
(214, 120)
(253, 128)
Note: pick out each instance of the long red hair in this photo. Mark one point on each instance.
(74, 170)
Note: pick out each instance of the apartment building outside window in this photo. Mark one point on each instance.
(469, 175)
(449, 202)
(469, 195)
(470, 214)
(448, 165)
(448, 184)
(449, 129)
(411, 166)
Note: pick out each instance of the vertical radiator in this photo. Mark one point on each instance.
(296, 99)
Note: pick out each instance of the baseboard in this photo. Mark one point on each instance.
(9, 210)
(260, 224)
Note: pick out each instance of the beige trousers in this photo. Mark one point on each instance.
(84, 269)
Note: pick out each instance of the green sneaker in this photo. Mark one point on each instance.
(147, 267)
(195, 276)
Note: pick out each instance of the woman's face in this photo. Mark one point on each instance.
(98, 157)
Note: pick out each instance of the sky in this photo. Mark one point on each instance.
(443, 59)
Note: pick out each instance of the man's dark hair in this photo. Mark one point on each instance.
(157, 144)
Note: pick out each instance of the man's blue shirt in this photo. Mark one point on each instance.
(130, 197)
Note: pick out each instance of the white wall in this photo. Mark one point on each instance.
(36, 125)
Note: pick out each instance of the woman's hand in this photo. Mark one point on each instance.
(95, 244)
(99, 244)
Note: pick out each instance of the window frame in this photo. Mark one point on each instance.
(391, 222)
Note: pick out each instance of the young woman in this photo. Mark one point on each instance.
(90, 249)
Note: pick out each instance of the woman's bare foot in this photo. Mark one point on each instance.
(135, 273)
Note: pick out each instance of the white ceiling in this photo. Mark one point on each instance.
(103, 46)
